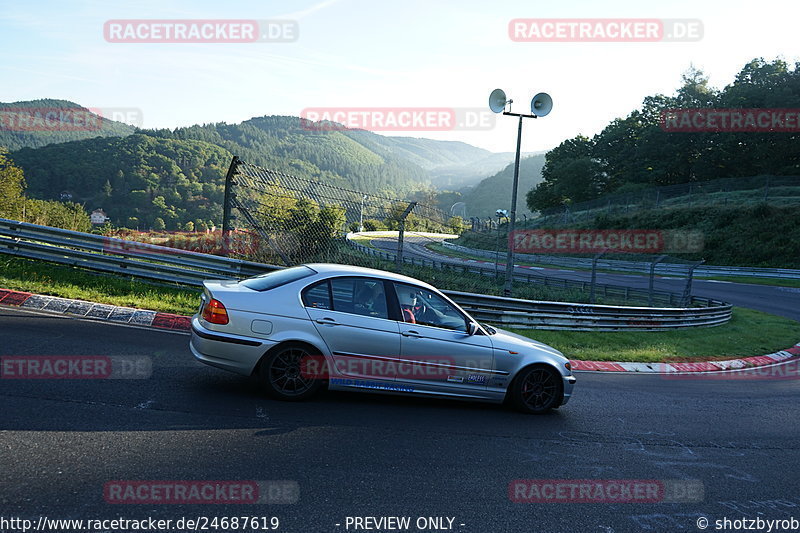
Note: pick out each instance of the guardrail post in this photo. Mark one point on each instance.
(226, 207)
(594, 275)
(401, 231)
(687, 291)
(652, 276)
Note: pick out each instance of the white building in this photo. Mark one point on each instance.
(99, 216)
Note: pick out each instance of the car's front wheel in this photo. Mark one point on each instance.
(537, 389)
(284, 374)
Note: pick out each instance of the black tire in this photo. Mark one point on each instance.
(537, 389)
(281, 376)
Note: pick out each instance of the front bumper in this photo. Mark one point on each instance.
(569, 384)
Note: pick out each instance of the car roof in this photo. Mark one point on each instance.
(329, 269)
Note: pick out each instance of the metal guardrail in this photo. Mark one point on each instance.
(159, 263)
(111, 255)
(639, 266)
(533, 314)
(622, 293)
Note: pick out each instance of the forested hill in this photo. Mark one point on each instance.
(135, 179)
(35, 123)
(494, 193)
(177, 175)
(285, 144)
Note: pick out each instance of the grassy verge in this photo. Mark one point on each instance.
(67, 282)
(748, 333)
(773, 282)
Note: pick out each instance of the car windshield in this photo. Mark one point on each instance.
(268, 281)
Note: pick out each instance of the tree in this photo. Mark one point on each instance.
(12, 185)
(159, 225)
(570, 173)
(456, 225)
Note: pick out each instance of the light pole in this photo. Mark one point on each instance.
(361, 215)
(541, 104)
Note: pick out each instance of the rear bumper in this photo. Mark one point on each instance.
(234, 353)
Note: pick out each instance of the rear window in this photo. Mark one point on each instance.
(268, 281)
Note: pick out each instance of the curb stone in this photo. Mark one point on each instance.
(169, 321)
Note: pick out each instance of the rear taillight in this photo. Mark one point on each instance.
(215, 312)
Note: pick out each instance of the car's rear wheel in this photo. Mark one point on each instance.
(283, 373)
(537, 390)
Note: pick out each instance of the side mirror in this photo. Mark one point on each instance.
(472, 328)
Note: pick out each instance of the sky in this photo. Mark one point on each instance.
(406, 54)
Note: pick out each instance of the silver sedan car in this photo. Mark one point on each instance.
(349, 328)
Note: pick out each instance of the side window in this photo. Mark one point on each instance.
(370, 299)
(317, 296)
(360, 296)
(420, 306)
(342, 289)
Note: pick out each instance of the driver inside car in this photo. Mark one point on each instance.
(415, 311)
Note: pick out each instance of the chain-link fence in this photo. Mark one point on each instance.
(655, 272)
(298, 220)
(277, 218)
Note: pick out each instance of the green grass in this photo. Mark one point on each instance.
(774, 282)
(748, 333)
(67, 282)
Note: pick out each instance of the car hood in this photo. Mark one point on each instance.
(505, 340)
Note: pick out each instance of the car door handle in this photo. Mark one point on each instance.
(411, 333)
(327, 321)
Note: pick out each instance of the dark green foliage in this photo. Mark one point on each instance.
(12, 185)
(759, 235)
(135, 177)
(16, 206)
(14, 138)
(177, 176)
(635, 151)
(338, 158)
